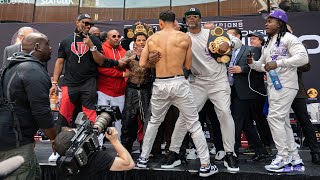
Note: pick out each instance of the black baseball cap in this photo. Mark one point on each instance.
(257, 34)
(193, 11)
(83, 16)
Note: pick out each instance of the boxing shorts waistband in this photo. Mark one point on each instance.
(169, 77)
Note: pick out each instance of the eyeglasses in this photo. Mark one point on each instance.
(114, 36)
(86, 23)
(192, 16)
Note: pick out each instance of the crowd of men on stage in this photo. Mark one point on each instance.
(171, 77)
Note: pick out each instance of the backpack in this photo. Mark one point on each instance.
(10, 131)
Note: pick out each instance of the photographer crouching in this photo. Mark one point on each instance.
(82, 156)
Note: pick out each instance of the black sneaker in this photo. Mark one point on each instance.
(142, 162)
(207, 171)
(230, 162)
(316, 158)
(259, 157)
(172, 161)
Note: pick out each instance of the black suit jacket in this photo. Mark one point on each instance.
(302, 93)
(10, 50)
(241, 83)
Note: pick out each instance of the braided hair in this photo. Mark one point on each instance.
(281, 33)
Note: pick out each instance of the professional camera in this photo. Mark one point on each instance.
(85, 141)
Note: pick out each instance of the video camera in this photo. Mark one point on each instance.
(85, 141)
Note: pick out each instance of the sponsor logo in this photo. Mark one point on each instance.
(56, 2)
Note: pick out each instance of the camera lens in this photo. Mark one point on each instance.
(103, 120)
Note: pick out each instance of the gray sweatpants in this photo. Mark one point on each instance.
(279, 122)
(219, 95)
(174, 91)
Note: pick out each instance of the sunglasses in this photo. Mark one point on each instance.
(192, 16)
(114, 36)
(88, 23)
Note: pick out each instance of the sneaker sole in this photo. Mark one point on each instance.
(299, 169)
(281, 170)
(141, 165)
(232, 170)
(208, 174)
(192, 158)
(176, 163)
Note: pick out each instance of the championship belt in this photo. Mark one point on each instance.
(216, 37)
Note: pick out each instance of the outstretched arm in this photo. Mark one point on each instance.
(124, 162)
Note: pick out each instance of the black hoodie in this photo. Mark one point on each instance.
(29, 90)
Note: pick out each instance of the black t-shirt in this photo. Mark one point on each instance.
(77, 71)
(99, 162)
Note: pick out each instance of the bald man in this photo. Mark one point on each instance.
(209, 25)
(95, 31)
(10, 50)
(30, 92)
(111, 81)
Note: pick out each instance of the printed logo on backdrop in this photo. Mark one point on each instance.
(312, 93)
(223, 24)
(55, 3)
(228, 24)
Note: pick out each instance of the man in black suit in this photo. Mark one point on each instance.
(257, 40)
(10, 50)
(242, 97)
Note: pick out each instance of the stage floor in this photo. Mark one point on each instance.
(248, 169)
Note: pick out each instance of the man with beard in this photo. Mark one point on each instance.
(171, 88)
(25, 84)
(80, 54)
(111, 81)
(282, 53)
(211, 82)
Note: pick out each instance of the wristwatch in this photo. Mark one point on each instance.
(94, 48)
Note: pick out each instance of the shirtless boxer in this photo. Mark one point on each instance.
(171, 88)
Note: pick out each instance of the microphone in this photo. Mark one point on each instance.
(9, 165)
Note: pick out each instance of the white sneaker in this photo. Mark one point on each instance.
(213, 150)
(279, 164)
(192, 155)
(53, 157)
(298, 165)
(219, 156)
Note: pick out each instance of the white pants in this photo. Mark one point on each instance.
(175, 91)
(104, 99)
(219, 95)
(279, 122)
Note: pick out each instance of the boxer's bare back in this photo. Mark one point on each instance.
(175, 49)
